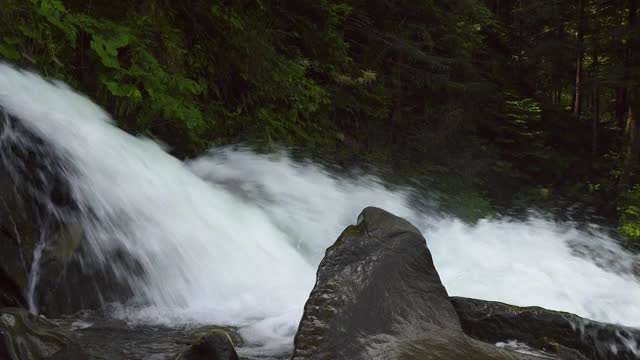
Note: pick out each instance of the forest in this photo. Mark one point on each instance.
(498, 105)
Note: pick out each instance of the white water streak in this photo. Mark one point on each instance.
(34, 274)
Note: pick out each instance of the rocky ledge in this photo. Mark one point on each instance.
(88, 335)
(566, 335)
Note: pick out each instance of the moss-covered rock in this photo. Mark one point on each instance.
(215, 346)
(24, 336)
(230, 332)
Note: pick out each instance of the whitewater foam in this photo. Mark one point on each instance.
(234, 237)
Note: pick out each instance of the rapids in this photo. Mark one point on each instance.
(234, 237)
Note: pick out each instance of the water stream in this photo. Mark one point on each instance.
(234, 237)
(34, 274)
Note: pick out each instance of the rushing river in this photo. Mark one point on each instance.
(234, 237)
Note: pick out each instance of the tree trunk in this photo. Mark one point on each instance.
(632, 128)
(596, 88)
(621, 107)
(396, 116)
(577, 107)
(632, 146)
(622, 93)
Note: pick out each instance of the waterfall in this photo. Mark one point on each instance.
(234, 237)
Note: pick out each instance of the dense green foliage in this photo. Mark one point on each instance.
(499, 104)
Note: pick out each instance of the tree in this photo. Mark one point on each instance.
(595, 121)
(577, 107)
(500, 104)
(632, 128)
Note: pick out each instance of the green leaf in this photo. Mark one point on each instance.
(106, 47)
(55, 12)
(123, 90)
(8, 52)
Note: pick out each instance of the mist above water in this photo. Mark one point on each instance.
(235, 237)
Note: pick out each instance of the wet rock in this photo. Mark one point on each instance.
(68, 284)
(24, 336)
(102, 337)
(25, 204)
(454, 345)
(567, 335)
(230, 332)
(62, 282)
(215, 346)
(18, 235)
(36, 205)
(378, 296)
(10, 292)
(73, 352)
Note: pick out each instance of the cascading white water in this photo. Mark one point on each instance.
(34, 274)
(234, 237)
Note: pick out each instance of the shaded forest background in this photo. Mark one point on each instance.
(498, 105)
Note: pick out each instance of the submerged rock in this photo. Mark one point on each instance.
(567, 335)
(215, 346)
(24, 336)
(379, 296)
(102, 337)
(229, 332)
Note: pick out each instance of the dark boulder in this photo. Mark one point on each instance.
(378, 296)
(36, 204)
(24, 336)
(33, 197)
(567, 335)
(215, 346)
(69, 284)
(10, 292)
(18, 237)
